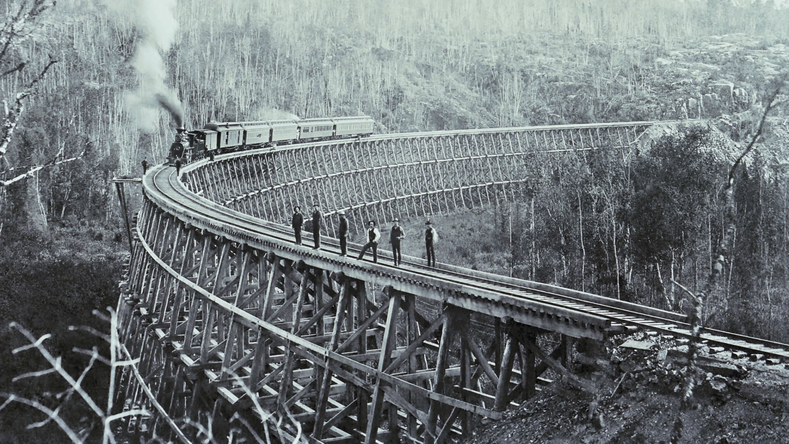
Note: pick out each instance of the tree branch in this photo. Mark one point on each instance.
(12, 115)
(771, 103)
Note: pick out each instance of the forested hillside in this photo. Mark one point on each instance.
(412, 65)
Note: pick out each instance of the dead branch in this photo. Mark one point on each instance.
(14, 29)
(95, 356)
(34, 170)
(44, 409)
(55, 363)
(75, 386)
(12, 115)
(771, 103)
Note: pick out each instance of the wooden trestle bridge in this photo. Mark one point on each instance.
(239, 331)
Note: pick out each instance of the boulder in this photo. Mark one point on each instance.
(711, 105)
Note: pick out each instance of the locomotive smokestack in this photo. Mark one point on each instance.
(155, 20)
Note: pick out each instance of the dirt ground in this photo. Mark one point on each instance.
(638, 400)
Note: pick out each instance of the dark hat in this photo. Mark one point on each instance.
(428, 222)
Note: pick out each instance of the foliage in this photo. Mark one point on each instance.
(673, 193)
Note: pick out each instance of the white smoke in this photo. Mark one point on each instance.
(155, 21)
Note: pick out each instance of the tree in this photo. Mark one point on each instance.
(673, 187)
(23, 75)
(16, 29)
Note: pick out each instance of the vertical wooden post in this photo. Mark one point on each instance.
(412, 333)
(361, 312)
(438, 386)
(233, 329)
(323, 392)
(529, 380)
(567, 355)
(497, 343)
(502, 390)
(390, 337)
(287, 376)
(465, 372)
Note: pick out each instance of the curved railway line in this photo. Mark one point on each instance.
(619, 313)
(229, 316)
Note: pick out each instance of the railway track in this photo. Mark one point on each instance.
(165, 188)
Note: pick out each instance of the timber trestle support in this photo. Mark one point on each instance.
(240, 334)
(232, 338)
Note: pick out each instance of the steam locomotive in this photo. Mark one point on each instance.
(224, 137)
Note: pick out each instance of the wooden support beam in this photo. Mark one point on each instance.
(438, 383)
(555, 365)
(529, 373)
(502, 388)
(389, 343)
(287, 377)
(320, 407)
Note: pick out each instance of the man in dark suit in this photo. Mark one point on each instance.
(343, 234)
(297, 221)
(394, 238)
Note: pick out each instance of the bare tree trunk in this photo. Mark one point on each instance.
(616, 258)
(34, 210)
(583, 247)
(533, 243)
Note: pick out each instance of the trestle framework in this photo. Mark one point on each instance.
(380, 178)
(241, 332)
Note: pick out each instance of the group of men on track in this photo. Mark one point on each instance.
(372, 236)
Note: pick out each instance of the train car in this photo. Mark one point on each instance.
(284, 131)
(353, 126)
(223, 137)
(256, 133)
(315, 128)
(230, 135)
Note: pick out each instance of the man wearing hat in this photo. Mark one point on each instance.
(373, 236)
(317, 219)
(343, 234)
(296, 222)
(431, 237)
(394, 238)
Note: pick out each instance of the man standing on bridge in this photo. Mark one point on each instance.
(297, 221)
(431, 237)
(373, 236)
(394, 238)
(343, 234)
(317, 218)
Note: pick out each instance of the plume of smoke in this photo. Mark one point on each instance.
(155, 20)
(268, 113)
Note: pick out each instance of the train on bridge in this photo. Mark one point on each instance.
(224, 137)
